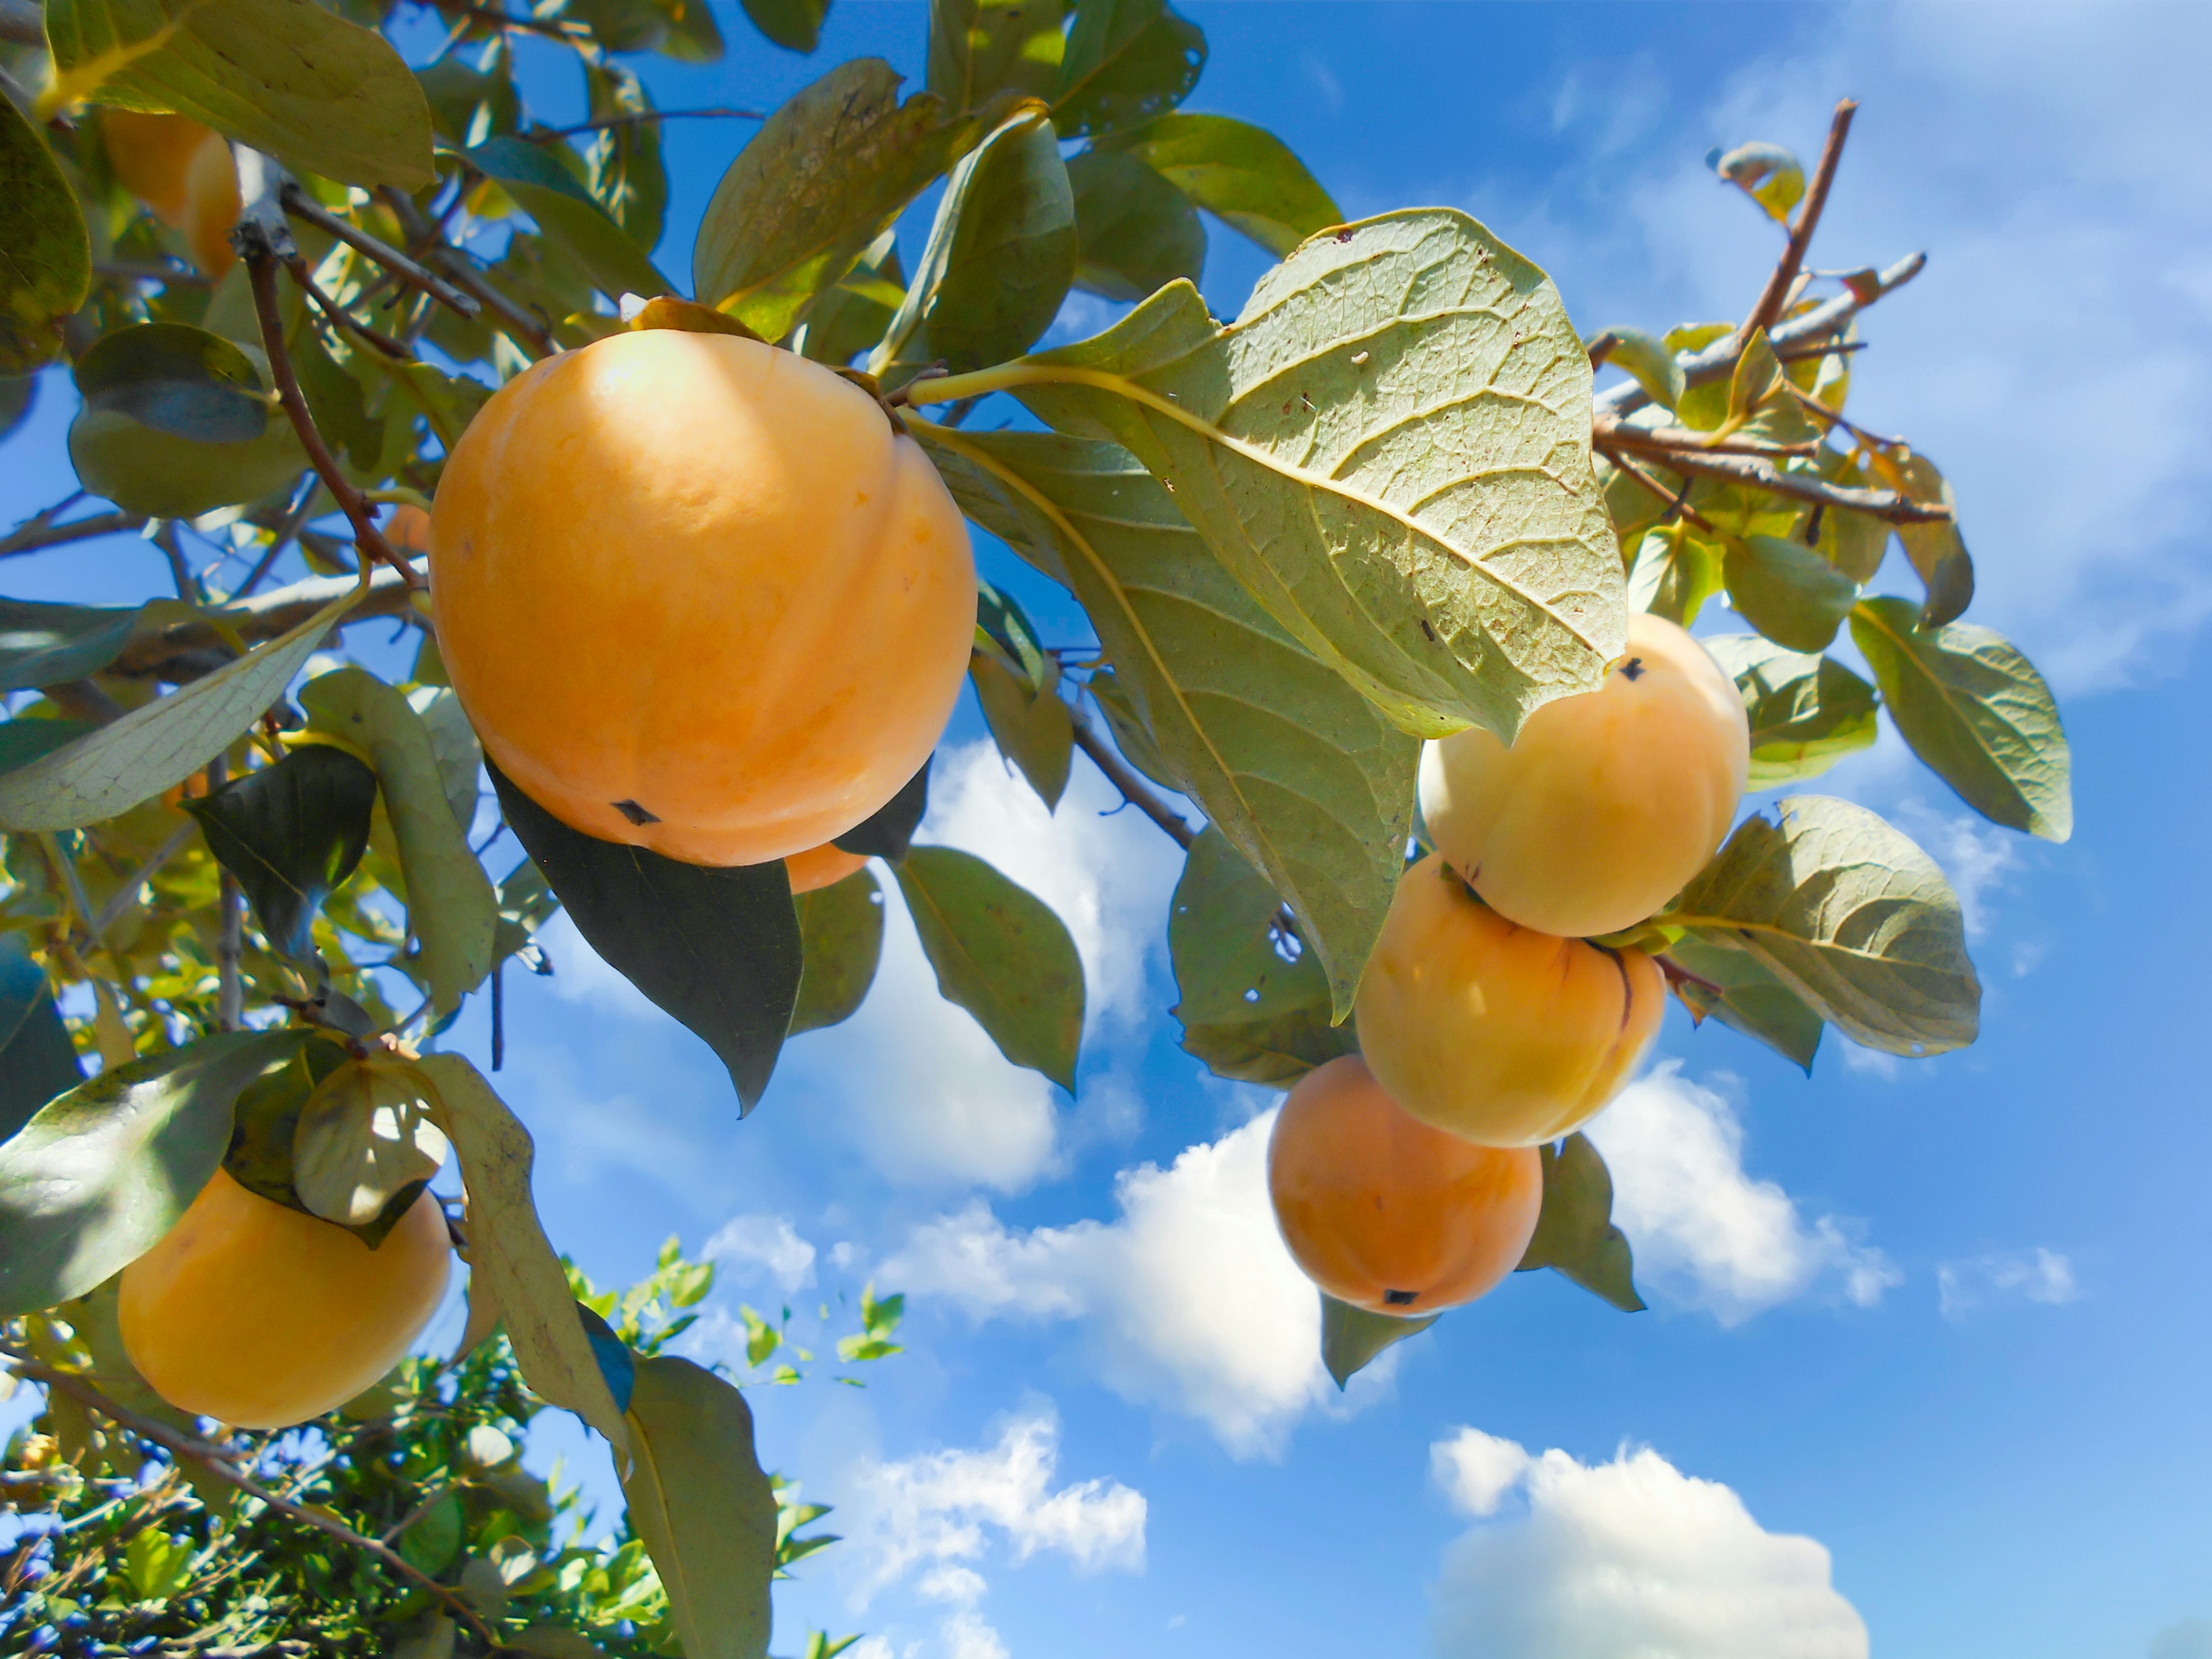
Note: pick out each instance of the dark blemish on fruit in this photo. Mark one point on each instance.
(634, 813)
(1400, 1298)
(1634, 668)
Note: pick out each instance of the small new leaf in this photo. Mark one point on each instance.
(1350, 1337)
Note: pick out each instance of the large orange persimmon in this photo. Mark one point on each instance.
(1387, 1213)
(1607, 803)
(1496, 1032)
(259, 1316)
(696, 595)
(185, 172)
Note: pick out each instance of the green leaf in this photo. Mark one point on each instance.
(321, 94)
(999, 256)
(46, 253)
(1768, 174)
(1125, 60)
(37, 1059)
(433, 1542)
(1133, 731)
(694, 37)
(468, 105)
(1306, 778)
(1351, 1337)
(339, 406)
(1031, 728)
(451, 906)
(1786, 591)
(1647, 361)
(18, 393)
(1807, 712)
(509, 1252)
(1852, 542)
(99, 1174)
(1008, 630)
(1743, 995)
(978, 48)
(453, 743)
(157, 1564)
(718, 950)
(1001, 954)
(526, 904)
(27, 738)
(44, 644)
(1850, 916)
(1575, 1234)
(794, 25)
(843, 928)
(165, 742)
(851, 317)
(1975, 709)
(1676, 571)
(887, 832)
(291, 832)
(1756, 377)
(1254, 1003)
(565, 211)
(1390, 449)
(1938, 552)
(707, 1513)
(1242, 173)
(1135, 231)
(824, 176)
(364, 1140)
(626, 174)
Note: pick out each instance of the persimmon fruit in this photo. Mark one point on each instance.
(1607, 803)
(261, 1317)
(1493, 1031)
(821, 867)
(1384, 1212)
(698, 595)
(185, 172)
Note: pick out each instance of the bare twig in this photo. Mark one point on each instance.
(230, 927)
(123, 270)
(120, 901)
(1612, 437)
(38, 532)
(222, 1462)
(301, 511)
(569, 32)
(1784, 274)
(1662, 438)
(1678, 504)
(644, 118)
(1125, 778)
(300, 205)
(179, 573)
(261, 270)
(421, 231)
(1831, 349)
(338, 316)
(185, 650)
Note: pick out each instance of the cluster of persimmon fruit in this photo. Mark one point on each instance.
(1492, 1020)
(697, 594)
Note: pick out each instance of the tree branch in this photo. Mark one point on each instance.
(644, 117)
(38, 532)
(1612, 437)
(1678, 504)
(422, 232)
(1125, 778)
(300, 205)
(340, 318)
(185, 650)
(1784, 275)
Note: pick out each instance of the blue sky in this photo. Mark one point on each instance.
(1926, 1367)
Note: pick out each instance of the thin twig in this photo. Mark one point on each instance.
(1678, 505)
(1831, 349)
(188, 590)
(568, 34)
(1784, 274)
(421, 231)
(1664, 438)
(223, 1461)
(123, 270)
(301, 511)
(261, 270)
(1612, 437)
(297, 202)
(38, 532)
(1125, 778)
(230, 927)
(120, 901)
(185, 651)
(642, 117)
(339, 318)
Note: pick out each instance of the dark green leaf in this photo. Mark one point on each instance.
(1008, 629)
(565, 211)
(1032, 728)
(1125, 60)
(851, 317)
(1135, 231)
(1254, 1003)
(706, 1511)
(842, 926)
(1733, 987)
(432, 1542)
(27, 738)
(1975, 709)
(338, 405)
(291, 832)
(44, 644)
(978, 48)
(45, 253)
(999, 256)
(1350, 1337)
(526, 904)
(18, 393)
(694, 37)
(1852, 542)
(1575, 1233)
(1787, 592)
(176, 379)
(1851, 916)
(99, 1174)
(1243, 173)
(267, 1120)
(321, 94)
(1807, 712)
(1001, 954)
(719, 949)
(37, 1059)
(794, 25)
(890, 829)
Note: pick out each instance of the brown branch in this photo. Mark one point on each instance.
(340, 318)
(1612, 437)
(420, 230)
(223, 1461)
(1662, 439)
(297, 202)
(1784, 274)
(185, 650)
(123, 270)
(1678, 505)
(38, 532)
(1125, 778)
(286, 530)
(644, 117)
(568, 34)
(261, 270)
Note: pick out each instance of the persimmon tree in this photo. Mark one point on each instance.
(1389, 503)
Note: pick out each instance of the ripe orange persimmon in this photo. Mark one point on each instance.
(696, 595)
(1387, 1213)
(1496, 1032)
(259, 1316)
(1607, 803)
(185, 172)
(821, 867)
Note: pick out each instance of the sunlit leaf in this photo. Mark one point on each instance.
(1575, 1235)
(1733, 987)
(978, 48)
(1787, 590)
(1125, 60)
(1647, 361)
(1938, 552)
(364, 1138)
(1807, 712)
(1768, 174)
(45, 255)
(1676, 571)
(1242, 173)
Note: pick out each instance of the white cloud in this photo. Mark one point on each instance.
(762, 1247)
(1706, 1234)
(1628, 1559)
(2039, 1275)
(937, 1513)
(1190, 1299)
